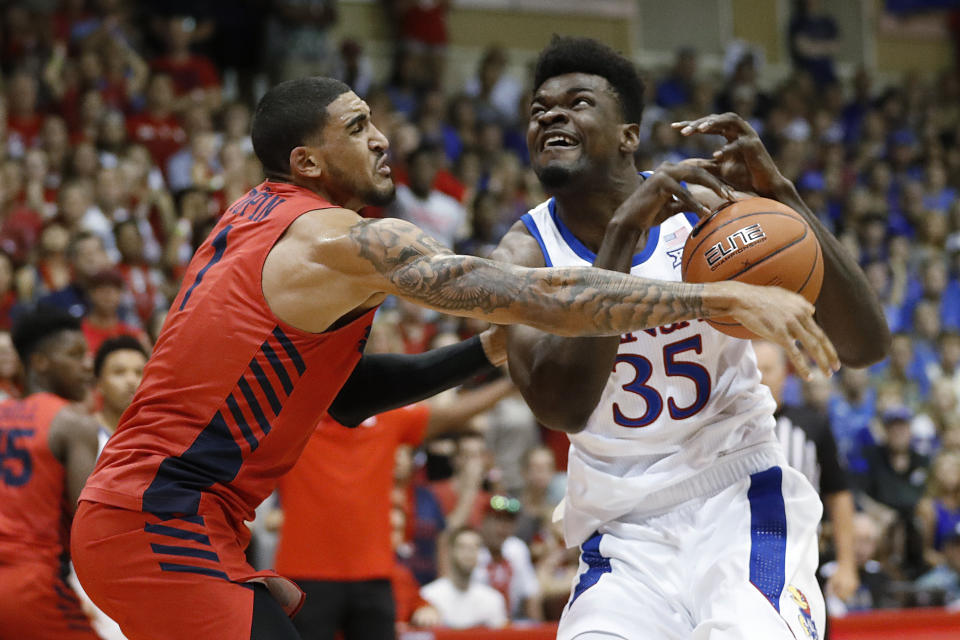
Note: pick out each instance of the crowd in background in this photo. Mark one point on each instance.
(124, 133)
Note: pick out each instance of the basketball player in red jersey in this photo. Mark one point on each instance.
(271, 321)
(47, 450)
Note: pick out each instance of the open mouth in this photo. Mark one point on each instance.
(558, 140)
(382, 167)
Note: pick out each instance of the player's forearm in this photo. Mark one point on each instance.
(847, 308)
(841, 508)
(568, 301)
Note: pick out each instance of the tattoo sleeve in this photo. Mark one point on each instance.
(566, 301)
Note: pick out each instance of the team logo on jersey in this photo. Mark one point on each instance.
(734, 243)
(805, 617)
(677, 255)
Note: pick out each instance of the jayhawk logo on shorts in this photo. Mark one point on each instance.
(805, 618)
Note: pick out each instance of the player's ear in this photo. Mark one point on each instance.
(629, 138)
(304, 161)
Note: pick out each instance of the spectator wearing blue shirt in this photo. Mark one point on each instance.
(677, 88)
(850, 412)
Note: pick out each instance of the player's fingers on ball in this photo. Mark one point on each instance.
(680, 193)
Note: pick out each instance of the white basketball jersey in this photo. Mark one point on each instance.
(682, 400)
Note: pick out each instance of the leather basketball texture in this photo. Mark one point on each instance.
(757, 241)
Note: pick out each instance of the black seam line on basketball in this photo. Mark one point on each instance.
(813, 268)
(770, 255)
(697, 228)
(746, 215)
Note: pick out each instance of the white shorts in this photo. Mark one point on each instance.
(738, 565)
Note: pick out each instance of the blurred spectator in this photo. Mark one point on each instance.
(87, 258)
(436, 213)
(495, 92)
(892, 484)
(462, 602)
(676, 88)
(504, 561)
(898, 369)
(9, 298)
(23, 118)
(298, 38)
(874, 591)
(102, 321)
(814, 40)
(557, 568)
(354, 68)
(195, 79)
(541, 491)
(422, 30)
(424, 517)
(410, 606)
(939, 510)
(938, 414)
(945, 577)
(463, 498)
(850, 412)
(11, 384)
(118, 368)
(144, 282)
(948, 366)
(157, 128)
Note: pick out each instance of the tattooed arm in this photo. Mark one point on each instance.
(352, 263)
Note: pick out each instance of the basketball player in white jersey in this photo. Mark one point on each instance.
(690, 523)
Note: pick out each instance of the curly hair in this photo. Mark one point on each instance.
(586, 55)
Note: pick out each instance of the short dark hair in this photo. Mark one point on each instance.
(35, 326)
(118, 343)
(286, 115)
(585, 55)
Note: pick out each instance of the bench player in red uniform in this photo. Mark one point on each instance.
(47, 450)
(270, 322)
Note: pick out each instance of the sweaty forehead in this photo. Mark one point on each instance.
(558, 85)
(346, 107)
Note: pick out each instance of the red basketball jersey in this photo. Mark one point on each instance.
(231, 394)
(33, 509)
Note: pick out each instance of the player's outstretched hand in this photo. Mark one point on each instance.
(744, 163)
(662, 194)
(786, 318)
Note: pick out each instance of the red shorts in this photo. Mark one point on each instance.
(36, 603)
(170, 578)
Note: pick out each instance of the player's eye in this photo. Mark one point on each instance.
(581, 101)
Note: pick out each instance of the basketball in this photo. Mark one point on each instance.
(757, 241)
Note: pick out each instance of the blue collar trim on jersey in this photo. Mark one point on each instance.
(653, 238)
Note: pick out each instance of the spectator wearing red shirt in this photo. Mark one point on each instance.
(102, 321)
(195, 78)
(157, 128)
(8, 294)
(143, 282)
(464, 489)
(21, 225)
(24, 119)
